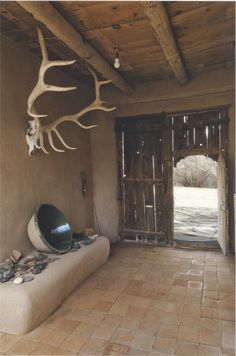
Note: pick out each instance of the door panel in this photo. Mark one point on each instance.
(142, 171)
(223, 237)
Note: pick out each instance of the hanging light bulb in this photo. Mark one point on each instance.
(117, 60)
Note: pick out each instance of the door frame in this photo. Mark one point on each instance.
(223, 207)
(171, 157)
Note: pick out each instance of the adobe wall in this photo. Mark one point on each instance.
(205, 91)
(26, 182)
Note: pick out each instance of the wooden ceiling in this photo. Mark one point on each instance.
(203, 33)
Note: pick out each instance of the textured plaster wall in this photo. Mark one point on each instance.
(25, 182)
(103, 143)
(207, 91)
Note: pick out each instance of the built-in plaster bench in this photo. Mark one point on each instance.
(25, 306)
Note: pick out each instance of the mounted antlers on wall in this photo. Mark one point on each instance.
(36, 132)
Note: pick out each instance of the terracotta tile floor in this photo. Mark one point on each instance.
(143, 301)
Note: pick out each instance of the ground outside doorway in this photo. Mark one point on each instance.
(196, 201)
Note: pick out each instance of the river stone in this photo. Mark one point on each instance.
(4, 280)
(22, 266)
(6, 265)
(36, 270)
(28, 278)
(15, 256)
(9, 274)
(27, 259)
(42, 265)
(18, 280)
(86, 242)
(41, 257)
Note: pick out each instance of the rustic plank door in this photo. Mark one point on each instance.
(143, 175)
(223, 237)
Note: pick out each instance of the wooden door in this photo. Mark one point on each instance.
(143, 177)
(223, 237)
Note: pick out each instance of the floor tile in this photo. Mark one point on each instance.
(228, 327)
(167, 331)
(43, 349)
(142, 341)
(186, 348)
(61, 351)
(87, 327)
(165, 345)
(135, 352)
(228, 342)
(112, 320)
(123, 336)
(103, 305)
(129, 324)
(104, 332)
(209, 337)
(94, 346)
(210, 324)
(187, 333)
(113, 348)
(39, 334)
(135, 313)
(74, 342)
(119, 309)
(22, 347)
(205, 350)
(195, 284)
(141, 302)
(7, 341)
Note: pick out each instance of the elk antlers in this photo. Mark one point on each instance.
(36, 131)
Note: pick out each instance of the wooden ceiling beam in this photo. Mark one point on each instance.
(45, 13)
(156, 13)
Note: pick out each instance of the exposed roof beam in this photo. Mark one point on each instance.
(45, 12)
(156, 13)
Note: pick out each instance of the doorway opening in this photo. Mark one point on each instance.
(196, 200)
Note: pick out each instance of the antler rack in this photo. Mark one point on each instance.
(36, 132)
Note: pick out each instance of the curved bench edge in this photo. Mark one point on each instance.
(24, 307)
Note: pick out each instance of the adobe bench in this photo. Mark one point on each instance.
(25, 306)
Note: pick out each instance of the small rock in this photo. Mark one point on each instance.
(32, 263)
(41, 257)
(19, 273)
(27, 259)
(28, 278)
(4, 280)
(22, 267)
(36, 270)
(6, 265)
(9, 274)
(42, 265)
(15, 256)
(86, 242)
(18, 280)
(75, 246)
(77, 235)
(93, 237)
